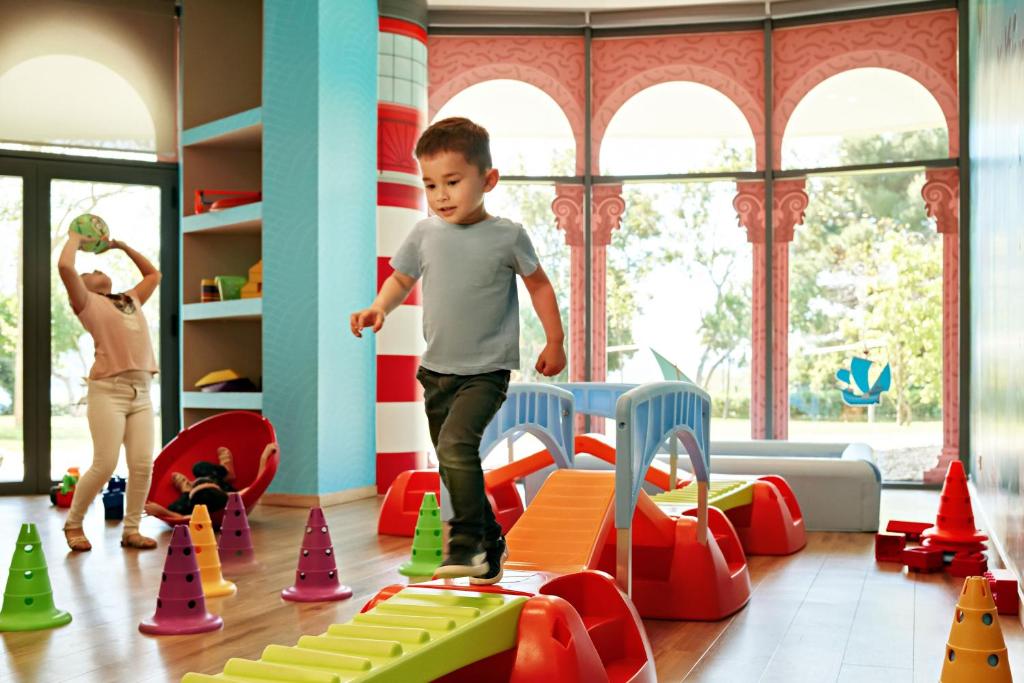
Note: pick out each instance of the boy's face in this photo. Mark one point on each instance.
(455, 188)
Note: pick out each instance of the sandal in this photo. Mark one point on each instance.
(137, 541)
(76, 539)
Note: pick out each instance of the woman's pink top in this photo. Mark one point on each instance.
(120, 332)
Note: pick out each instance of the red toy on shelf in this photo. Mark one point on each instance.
(244, 433)
(228, 199)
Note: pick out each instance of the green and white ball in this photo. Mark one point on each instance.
(95, 231)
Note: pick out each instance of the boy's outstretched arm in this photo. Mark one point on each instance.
(552, 359)
(394, 291)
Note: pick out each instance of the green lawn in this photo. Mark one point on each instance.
(71, 446)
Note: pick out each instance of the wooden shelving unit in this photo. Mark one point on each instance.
(221, 149)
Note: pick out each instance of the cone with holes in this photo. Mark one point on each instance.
(316, 579)
(28, 599)
(201, 528)
(954, 526)
(427, 544)
(180, 605)
(975, 650)
(235, 543)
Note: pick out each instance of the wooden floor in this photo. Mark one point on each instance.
(828, 613)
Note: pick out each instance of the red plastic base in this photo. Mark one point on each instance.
(1003, 583)
(675, 576)
(773, 524)
(967, 564)
(889, 547)
(922, 559)
(401, 506)
(64, 499)
(912, 530)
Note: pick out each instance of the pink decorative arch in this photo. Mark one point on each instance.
(552, 63)
(731, 63)
(922, 46)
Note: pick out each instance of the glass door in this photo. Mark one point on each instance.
(12, 330)
(133, 212)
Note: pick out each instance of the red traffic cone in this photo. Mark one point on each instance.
(235, 543)
(180, 607)
(954, 526)
(316, 579)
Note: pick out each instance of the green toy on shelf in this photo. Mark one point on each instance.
(230, 286)
(426, 543)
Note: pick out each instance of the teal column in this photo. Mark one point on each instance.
(319, 249)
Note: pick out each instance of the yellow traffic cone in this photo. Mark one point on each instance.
(976, 650)
(201, 528)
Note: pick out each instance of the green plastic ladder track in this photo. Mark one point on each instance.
(418, 634)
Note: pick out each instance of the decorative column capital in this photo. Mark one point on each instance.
(608, 208)
(568, 210)
(788, 205)
(941, 193)
(789, 201)
(749, 205)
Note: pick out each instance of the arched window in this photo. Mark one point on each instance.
(865, 116)
(530, 134)
(677, 127)
(66, 101)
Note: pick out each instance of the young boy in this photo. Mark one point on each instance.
(468, 260)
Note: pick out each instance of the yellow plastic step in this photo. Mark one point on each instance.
(724, 495)
(418, 634)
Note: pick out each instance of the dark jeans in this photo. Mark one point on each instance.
(459, 408)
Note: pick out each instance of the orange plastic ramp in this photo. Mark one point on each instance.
(564, 528)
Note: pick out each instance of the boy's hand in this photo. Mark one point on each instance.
(370, 317)
(551, 360)
(75, 238)
(115, 244)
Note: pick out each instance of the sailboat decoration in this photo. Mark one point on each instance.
(669, 370)
(859, 391)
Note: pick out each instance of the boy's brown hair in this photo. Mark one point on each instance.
(460, 135)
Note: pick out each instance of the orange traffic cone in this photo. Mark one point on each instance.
(214, 584)
(975, 650)
(954, 526)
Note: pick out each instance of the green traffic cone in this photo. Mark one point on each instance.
(28, 600)
(426, 543)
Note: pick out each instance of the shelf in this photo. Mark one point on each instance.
(239, 130)
(239, 220)
(226, 400)
(236, 309)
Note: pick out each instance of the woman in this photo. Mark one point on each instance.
(119, 407)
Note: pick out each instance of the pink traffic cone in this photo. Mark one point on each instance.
(316, 579)
(180, 607)
(235, 543)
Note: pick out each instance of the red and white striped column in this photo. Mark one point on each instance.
(402, 434)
